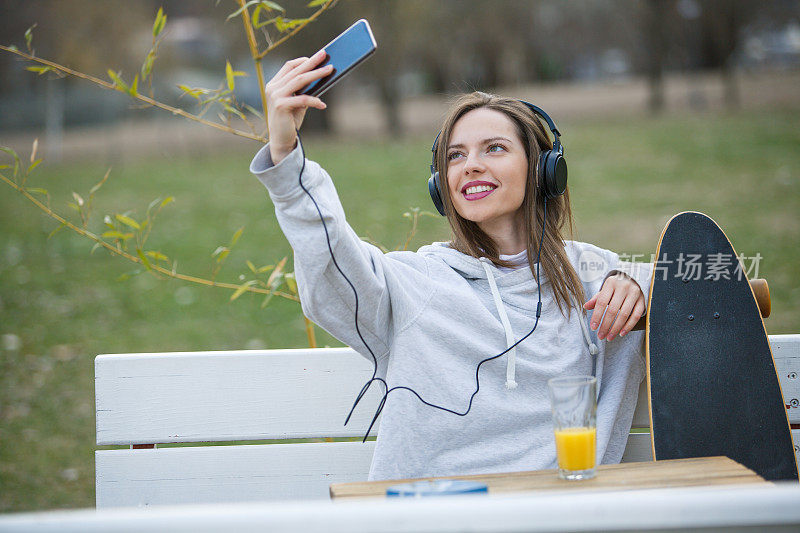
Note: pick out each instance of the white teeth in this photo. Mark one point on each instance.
(479, 188)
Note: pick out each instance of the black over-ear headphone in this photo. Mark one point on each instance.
(551, 173)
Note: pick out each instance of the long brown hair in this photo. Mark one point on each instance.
(469, 239)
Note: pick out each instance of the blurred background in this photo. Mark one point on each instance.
(664, 106)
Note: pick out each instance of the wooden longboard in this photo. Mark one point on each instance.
(711, 378)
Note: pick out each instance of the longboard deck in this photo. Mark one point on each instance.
(711, 377)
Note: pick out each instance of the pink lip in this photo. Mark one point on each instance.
(479, 195)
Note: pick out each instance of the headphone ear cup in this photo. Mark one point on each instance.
(552, 173)
(433, 189)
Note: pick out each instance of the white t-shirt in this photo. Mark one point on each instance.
(517, 260)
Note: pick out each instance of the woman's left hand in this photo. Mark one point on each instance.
(622, 301)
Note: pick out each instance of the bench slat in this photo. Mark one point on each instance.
(226, 396)
(219, 474)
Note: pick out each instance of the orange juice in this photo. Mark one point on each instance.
(576, 448)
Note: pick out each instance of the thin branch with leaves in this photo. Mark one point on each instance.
(126, 236)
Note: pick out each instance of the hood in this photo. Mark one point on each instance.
(470, 267)
(475, 268)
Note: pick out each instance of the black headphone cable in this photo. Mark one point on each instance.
(375, 377)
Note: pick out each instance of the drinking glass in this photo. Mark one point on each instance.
(573, 400)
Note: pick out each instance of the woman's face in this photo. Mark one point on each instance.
(487, 169)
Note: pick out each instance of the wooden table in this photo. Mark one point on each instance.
(626, 476)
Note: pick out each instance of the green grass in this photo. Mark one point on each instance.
(627, 177)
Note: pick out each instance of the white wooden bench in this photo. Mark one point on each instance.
(143, 400)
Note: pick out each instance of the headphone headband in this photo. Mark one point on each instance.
(552, 167)
(556, 134)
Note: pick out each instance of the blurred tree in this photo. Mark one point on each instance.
(656, 27)
(721, 23)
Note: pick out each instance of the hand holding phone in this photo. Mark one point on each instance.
(299, 83)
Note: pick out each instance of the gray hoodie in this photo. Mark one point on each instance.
(431, 316)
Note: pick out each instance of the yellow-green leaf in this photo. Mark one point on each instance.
(316, 3)
(128, 221)
(241, 9)
(236, 235)
(100, 183)
(254, 111)
(242, 289)
(36, 190)
(265, 268)
(134, 86)
(39, 70)
(291, 282)
(221, 253)
(147, 66)
(257, 22)
(34, 164)
(277, 272)
(145, 260)
(158, 256)
(271, 5)
(167, 200)
(29, 36)
(114, 234)
(62, 226)
(251, 266)
(160, 22)
(231, 109)
(229, 75)
(285, 24)
(117, 80)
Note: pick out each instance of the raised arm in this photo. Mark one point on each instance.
(326, 249)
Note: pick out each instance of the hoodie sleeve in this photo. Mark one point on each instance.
(326, 297)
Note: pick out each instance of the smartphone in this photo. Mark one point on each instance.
(345, 52)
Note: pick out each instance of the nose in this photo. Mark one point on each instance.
(473, 164)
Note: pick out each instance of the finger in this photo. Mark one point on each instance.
(623, 316)
(591, 303)
(601, 299)
(300, 81)
(288, 66)
(636, 314)
(302, 101)
(611, 314)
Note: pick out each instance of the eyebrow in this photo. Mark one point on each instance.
(484, 141)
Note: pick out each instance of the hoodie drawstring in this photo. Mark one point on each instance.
(592, 346)
(511, 361)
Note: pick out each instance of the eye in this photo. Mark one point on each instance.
(496, 147)
(452, 155)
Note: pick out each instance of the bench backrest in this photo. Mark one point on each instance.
(275, 395)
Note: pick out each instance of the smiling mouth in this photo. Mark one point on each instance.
(478, 191)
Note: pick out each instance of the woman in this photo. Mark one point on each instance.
(430, 318)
